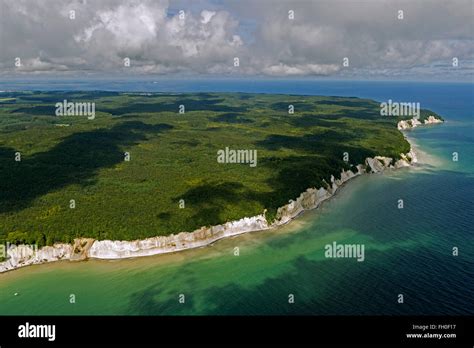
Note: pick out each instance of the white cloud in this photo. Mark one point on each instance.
(145, 34)
(38, 65)
(260, 34)
(300, 69)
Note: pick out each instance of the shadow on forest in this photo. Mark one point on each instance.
(306, 121)
(292, 175)
(361, 103)
(298, 105)
(43, 110)
(75, 160)
(327, 143)
(232, 117)
(211, 199)
(173, 106)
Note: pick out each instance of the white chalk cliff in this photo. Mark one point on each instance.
(23, 255)
(414, 122)
(107, 249)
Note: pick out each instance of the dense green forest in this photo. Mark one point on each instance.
(172, 181)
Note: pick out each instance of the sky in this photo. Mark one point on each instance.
(370, 39)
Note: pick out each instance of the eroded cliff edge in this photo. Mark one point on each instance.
(20, 256)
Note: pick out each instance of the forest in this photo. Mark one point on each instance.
(146, 164)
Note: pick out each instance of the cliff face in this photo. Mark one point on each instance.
(23, 255)
(379, 163)
(106, 249)
(312, 198)
(402, 125)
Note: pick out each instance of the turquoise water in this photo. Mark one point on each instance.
(407, 251)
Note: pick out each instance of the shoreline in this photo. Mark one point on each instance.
(312, 198)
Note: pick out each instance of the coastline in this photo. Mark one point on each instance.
(312, 198)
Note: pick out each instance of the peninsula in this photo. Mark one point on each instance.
(129, 181)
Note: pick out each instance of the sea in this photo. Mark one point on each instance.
(418, 260)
